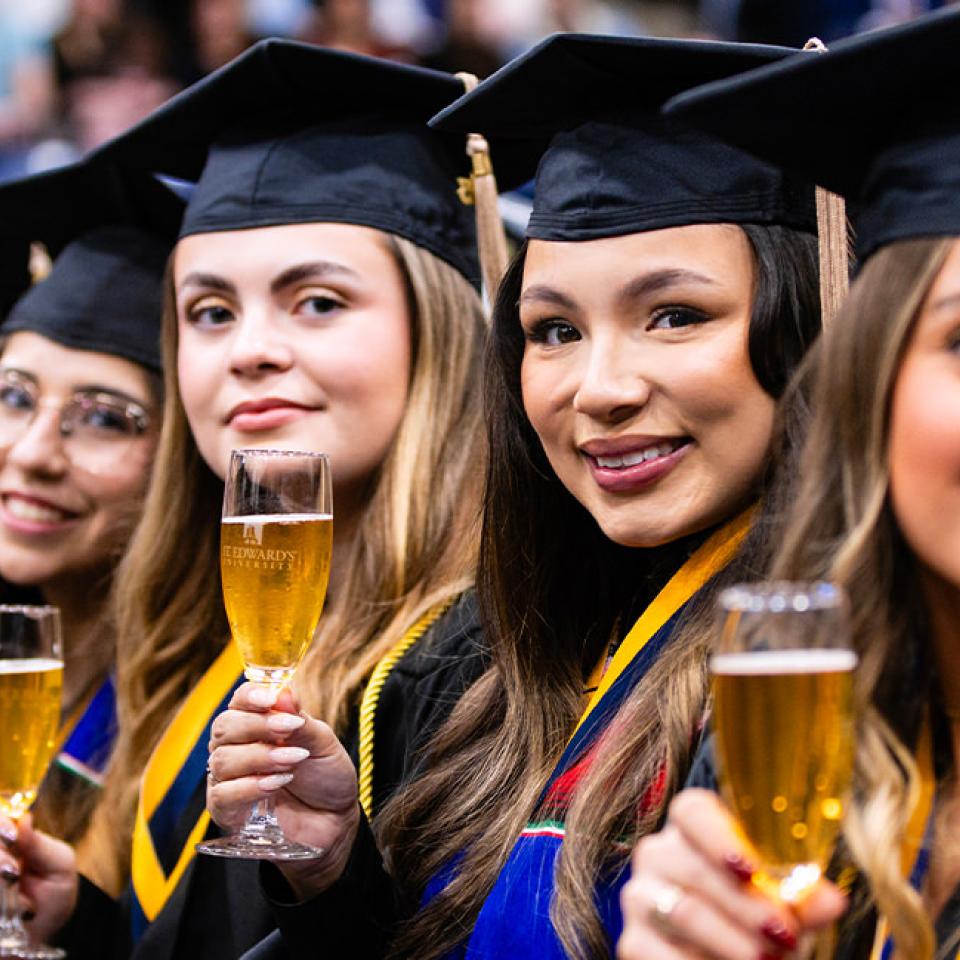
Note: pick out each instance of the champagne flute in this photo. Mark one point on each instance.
(276, 540)
(31, 682)
(783, 716)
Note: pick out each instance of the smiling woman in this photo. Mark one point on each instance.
(647, 333)
(80, 400)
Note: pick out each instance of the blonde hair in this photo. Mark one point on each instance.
(416, 544)
(842, 528)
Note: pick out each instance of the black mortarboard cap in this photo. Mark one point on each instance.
(293, 133)
(875, 119)
(109, 235)
(583, 113)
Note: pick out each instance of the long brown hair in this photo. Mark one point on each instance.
(553, 591)
(416, 544)
(843, 528)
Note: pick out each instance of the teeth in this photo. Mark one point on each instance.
(641, 456)
(25, 510)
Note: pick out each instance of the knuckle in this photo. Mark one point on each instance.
(653, 848)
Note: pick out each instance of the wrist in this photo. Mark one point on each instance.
(308, 878)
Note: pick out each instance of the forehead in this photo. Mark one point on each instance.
(263, 253)
(720, 251)
(61, 369)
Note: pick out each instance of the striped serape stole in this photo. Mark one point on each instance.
(87, 737)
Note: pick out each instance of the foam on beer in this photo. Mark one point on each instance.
(772, 662)
(30, 665)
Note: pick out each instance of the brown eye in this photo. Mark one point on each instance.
(670, 318)
(554, 333)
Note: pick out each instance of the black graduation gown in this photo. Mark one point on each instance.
(218, 909)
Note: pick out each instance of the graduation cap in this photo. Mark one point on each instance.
(583, 114)
(293, 133)
(108, 235)
(876, 119)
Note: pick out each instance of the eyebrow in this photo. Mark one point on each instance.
(659, 280)
(314, 270)
(541, 293)
(209, 281)
(637, 289)
(949, 302)
(121, 395)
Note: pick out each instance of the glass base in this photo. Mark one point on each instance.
(31, 953)
(247, 846)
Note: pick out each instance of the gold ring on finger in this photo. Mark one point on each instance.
(664, 905)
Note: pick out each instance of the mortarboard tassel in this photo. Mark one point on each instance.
(40, 262)
(834, 239)
(480, 189)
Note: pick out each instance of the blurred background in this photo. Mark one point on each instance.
(75, 72)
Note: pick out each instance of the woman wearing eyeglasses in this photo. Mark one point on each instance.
(80, 401)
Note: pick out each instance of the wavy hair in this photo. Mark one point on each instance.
(416, 544)
(553, 591)
(843, 528)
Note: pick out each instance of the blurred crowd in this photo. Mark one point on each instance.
(75, 72)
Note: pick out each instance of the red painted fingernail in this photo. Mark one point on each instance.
(777, 932)
(740, 867)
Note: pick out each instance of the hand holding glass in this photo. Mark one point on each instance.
(31, 681)
(784, 722)
(276, 541)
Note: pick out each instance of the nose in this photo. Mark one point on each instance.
(613, 387)
(258, 347)
(40, 450)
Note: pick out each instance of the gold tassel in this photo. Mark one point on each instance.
(480, 190)
(834, 239)
(40, 263)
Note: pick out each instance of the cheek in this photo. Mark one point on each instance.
(924, 466)
(199, 378)
(548, 401)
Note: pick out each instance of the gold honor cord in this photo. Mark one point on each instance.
(151, 885)
(833, 231)
(480, 190)
(371, 697)
(917, 826)
(705, 563)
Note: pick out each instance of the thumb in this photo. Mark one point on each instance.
(287, 701)
(824, 904)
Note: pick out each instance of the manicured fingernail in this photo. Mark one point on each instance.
(740, 867)
(8, 834)
(263, 697)
(777, 932)
(9, 873)
(285, 722)
(274, 781)
(289, 754)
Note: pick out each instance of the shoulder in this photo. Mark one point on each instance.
(454, 643)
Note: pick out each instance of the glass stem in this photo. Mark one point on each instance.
(262, 821)
(12, 931)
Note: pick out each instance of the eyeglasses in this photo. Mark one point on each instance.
(97, 429)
